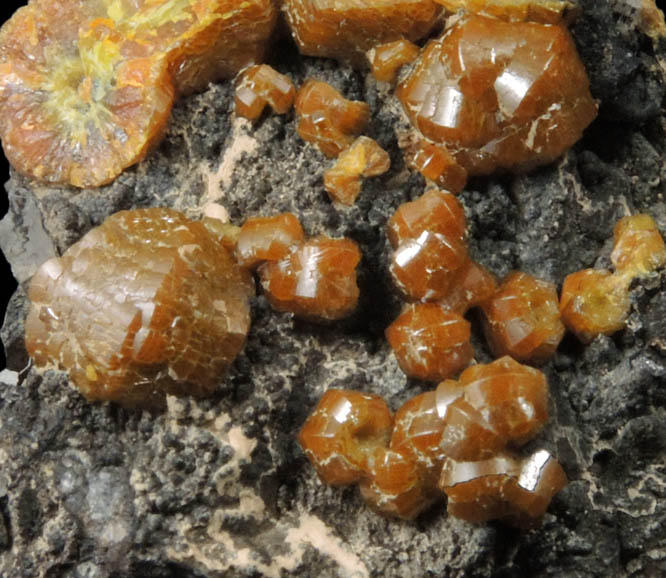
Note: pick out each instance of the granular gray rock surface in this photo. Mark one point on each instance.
(219, 487)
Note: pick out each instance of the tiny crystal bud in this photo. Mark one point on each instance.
(387, 59)
(638, 247)
(261, 85)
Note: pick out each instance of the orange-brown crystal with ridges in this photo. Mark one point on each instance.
(146, 304)
(594, 302)
(436, 164)
(327, 119)
(497, 94)
(473, 285)
(430, 343)
(544, 11)
(523, 319)
(387, 59)
(638, 247)
(346, 29)
(343, 432)
(515, 490)
(395, 485)
(316, 281)
(268, 239)
(86, 87)
(434, 211)
(364, 158)
(512, 398)
(261, 85)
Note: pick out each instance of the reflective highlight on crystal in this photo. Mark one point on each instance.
(260, 86)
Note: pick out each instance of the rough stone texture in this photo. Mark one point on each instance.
(219, 487)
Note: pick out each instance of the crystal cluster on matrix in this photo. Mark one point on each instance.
(346, 29)
(146, 304)
(86, 88)
(259, 86)
(460, 440)
(595, 301)
(499, 95)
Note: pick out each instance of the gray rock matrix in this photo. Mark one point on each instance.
(219, 487)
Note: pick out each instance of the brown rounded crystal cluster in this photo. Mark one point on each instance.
(430, 264)
(459, 439)
(312, 278)
(595, 301)
(86, 87)
(146, 304)
(498, 95)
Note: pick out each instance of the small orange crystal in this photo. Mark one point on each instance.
(364, 158)
(317, 281)
(502, 487)
(387, 59)
(346, 29)
(436, 164)
(472, 285)
(395, 486)
(327, 119)
(523, 320)
(268, 239)
(512, 398)
(594, 302)
(343, 432)
(638, 247)
(146, 304)
(261, 85)
(429, 342)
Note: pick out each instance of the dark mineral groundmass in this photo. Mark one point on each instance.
(218, 487)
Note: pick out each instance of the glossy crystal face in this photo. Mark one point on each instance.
(267, 239)
(146, 304)
(260, 86)
(510, 95)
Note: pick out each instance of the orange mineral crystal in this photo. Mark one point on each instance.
(435, 163)
(594, 302)
(146, 304)
(504, 487)
(473, 284)
(343, 433)
(316, 281)
(638, 247)
(364, 158)
(387, 59)
(346, 29)
(510, 95)
(545, 11)
(327, 119)
(268, 239)
(522, 319)
(429, 342)
(86, 88)
(261, 85)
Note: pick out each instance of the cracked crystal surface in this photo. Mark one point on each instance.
(522, 319)
(260, 86)
(267, 239)
(500, 95)
(146, 304)
(346, 29)
(86, 88)
(316, 281)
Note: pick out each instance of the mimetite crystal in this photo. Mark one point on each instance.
(261, 85)
(146, 304)
(638, 247)
(268, 239)
(387, 59)
(545, 11)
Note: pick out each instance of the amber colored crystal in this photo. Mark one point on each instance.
(517, 491)
(472, 285)
(429, 342)
(86, 88)
(511, 397)
(317, 281)
(364, 158)
(387, 59)
(638, 247)
(268, 239)
(346, 29)
(434, 211)
(544, 11)
(327, 119)
(496, 94)
(261, 85)
(436, 164)
(343, 432)
(395, 485)
(594, 302)
(148, 303)
(523, 320)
